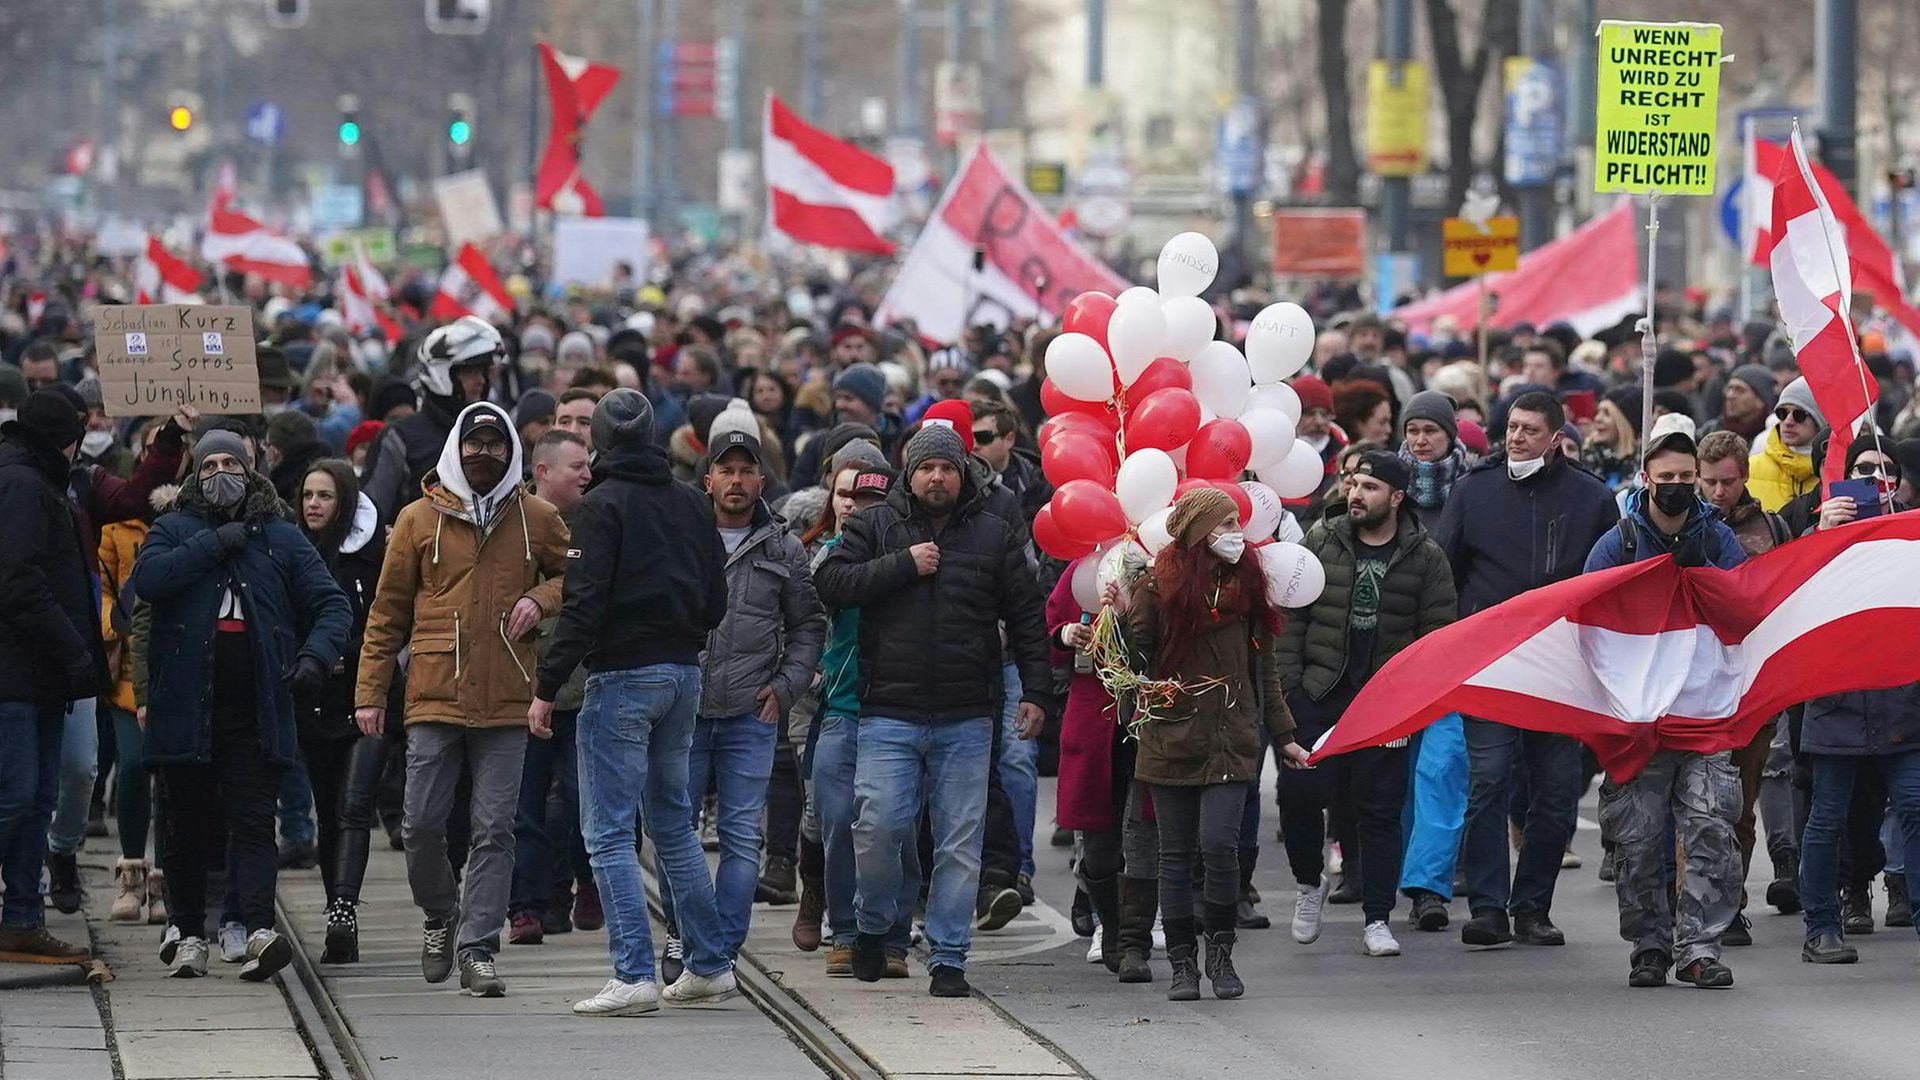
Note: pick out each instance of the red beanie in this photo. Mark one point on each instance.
(1313, 393)
(363, 433)
(1473, 437)
(954, 413)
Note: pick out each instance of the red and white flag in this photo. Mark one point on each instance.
(1027, 265)
(822, 190)
(1653, 657)
(242, 244)
(1589, 279)
(469, 286)
(1812, 280)
(161, 277)
(575, 87)
(362, 292)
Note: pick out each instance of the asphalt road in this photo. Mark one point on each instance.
(1441, 1010)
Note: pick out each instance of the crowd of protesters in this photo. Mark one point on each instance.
(554, 601)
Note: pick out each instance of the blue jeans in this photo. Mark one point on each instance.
(79, 764)
(835, 753)
(1553, 768)
(1019, 767)
(1436, 808)
(544, 854)
(29, 786)
(635, 734)
(1832, 791)
(901, 765)
(735, 755)
(297, 828)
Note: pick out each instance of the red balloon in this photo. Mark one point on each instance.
(1071, 456)
(1088, 512)
(1088, 314)
(1161, 374)
(1055, 403)
(1233, 491)
(1046, 533)
(1219, 450)
(1098, 428)
(1163, 420)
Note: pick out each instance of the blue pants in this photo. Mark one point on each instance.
(1019, 768)
(1832, 784)
(79, 765)
(902, 763)
(635, 735)
(1436, 814)
(1553, 772)
(835, 754)
(544, 845)
(29, 787)
(733, 754)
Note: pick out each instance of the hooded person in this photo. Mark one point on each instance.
(252, 619)
(471, 568)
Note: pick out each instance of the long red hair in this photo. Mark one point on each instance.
(1198, 591)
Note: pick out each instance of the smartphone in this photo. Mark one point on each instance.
(1582, 406)
(1864, 493)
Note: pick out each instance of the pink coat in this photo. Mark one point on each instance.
(1086, 730)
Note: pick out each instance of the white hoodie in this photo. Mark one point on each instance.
(481, 509)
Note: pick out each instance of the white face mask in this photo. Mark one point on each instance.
(1228, 546)
(1520, 470)
(95, 443)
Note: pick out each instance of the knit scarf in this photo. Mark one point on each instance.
(1433, 480)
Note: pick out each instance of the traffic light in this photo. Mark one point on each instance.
(349, 122)
(459, 131)
(460, 109)
(180, 118)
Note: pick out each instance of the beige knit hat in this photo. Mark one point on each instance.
(1196, 513)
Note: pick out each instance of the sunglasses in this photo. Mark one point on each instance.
(1789, 412)
(984, 435)
(1866, 469)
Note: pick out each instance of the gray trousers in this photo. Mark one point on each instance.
(436, 753)
(1684, 800)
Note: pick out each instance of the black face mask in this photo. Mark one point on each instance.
(1673, 499)
(484, 472)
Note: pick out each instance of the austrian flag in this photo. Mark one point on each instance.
(469, 286)
(822, 190)
(1651, 656)
(161, 277)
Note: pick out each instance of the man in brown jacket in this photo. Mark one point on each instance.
(471, 568)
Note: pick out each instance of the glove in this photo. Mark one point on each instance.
(308, 675)
(233, 536)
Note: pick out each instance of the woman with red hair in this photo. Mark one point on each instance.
(1201, 620)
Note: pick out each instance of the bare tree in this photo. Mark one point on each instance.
(1462, 75)
(1343, 164)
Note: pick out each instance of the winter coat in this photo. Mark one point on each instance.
(50, 649)
(119, 547)
(1023, 477)
(774, 628)
(1704, 540)
(457, 563)
(399, 460)
(839, 689)
(293, 610)
(645, 577)
(101, 498)
(1863, 722)
(1416, 598)
(1212, 735)
(1757, 530)
(328, 713)
(573, 693)
(1504, 536)
(1776, 474)
(1085, 799)
(930, 645)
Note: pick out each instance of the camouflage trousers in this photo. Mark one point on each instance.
(1680, 810)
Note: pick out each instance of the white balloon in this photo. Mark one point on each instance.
(1135, 335)
(1139, 294)
(1267, 510)
(1145, 483)
(1187, 265)
(1271, 432)
(1153, 531)
(1289, 529)
(1120, 564)
(1086, 581)
(1299, 473)
(1220, 379)
(1276, 396)
(1294, 577)
(1280, 342)
(1190, 325)
(1079, 367)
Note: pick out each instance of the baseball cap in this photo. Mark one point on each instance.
(1672, 431)
(871, 483)
(477, 420)
(734, 440)
(1385, 467)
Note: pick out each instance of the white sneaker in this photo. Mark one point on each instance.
(267, 952)
(1379, 940)
(233, 942)
(1336, 859)
(1307, 906)
(694, 989)
(169, 944)
(1159, 936)
(1093, 949)
(621, 999)
(189, 958)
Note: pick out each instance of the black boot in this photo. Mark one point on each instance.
(63, 882)
(1139, 899)
(343, 934)
(1105, 893)
(1220, 940)
(1856, 908)
(1081, 914)
(1783, 892)
(1183, 955)
(1899, 904)
(1246, 915)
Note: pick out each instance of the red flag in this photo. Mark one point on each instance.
(575, 87)
(1875, 270)
(240, 243)
(161, 277)
(471, 287)
(822, 190)
(1589, 278)
(1650, 656)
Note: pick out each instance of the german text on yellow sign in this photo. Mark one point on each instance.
(1658, 91)
(1468, 251)
(1396, 118)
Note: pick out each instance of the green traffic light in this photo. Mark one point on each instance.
(349, 133)
(460, 132)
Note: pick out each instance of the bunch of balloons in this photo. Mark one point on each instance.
(1144, 404)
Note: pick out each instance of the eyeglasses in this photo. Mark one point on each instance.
(984, 435)
(1863, 470)
(1793, 413)
(487, 449)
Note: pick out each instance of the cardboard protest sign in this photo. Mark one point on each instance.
(1657, 100)
(1467, 250)
(154, 358)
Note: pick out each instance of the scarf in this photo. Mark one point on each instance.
(1431, 481)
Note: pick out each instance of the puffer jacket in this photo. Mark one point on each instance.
(1416, 598)
(930, 645)
(1863, 722)
(774, 628)
(1504, 536)
(1776, 475)
(448, 585)
(119, 547)
(50, 650)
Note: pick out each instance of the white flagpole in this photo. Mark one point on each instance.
(1649, 344)
(1842, 273)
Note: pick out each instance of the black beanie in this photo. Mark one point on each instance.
(49, 419)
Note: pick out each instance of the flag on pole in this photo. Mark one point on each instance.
(1653, 657)
(362, 292)
(242, 244)
(575, 88)
(1812, 280)
(469, 286)
(822, 190)
(161, 277)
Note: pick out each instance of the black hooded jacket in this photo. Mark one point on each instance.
(50, 651)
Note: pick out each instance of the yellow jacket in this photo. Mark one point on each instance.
(119, 544)
(1776, 475)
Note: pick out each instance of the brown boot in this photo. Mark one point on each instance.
(36, 946)
(130, 905)
(813, 907)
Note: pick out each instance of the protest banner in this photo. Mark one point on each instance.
(1320, 243)
(1467, 250)
(1656, 105)
(586, 251)
(154, 358)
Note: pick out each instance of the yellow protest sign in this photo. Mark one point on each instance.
(1469, 251)
(1396, 118)
(1656, 99)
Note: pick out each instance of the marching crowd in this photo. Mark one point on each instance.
(709, 567)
